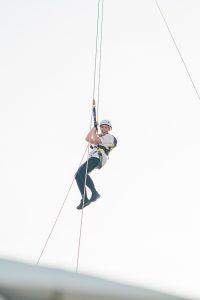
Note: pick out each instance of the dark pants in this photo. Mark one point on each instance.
(81, 173)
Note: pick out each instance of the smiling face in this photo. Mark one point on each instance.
(104, 129)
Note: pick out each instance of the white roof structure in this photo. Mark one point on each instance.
(21, 281)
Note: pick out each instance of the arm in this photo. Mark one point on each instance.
(92, 137)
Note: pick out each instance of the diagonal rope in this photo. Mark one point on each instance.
(98, 92)
(177, 48)
(58, 215)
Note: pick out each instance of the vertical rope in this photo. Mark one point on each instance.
(87, 148)
(96, 50)
(81, 223)
(100, 47)
(94, 90)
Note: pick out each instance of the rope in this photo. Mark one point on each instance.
(100, 46)
(87, 148)
(58, 215)
(95, 57)
(98, 92)
(81, 222)
(179, 52)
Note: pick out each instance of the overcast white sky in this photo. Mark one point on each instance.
(145, 227)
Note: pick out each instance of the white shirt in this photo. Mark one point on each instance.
(107, 141)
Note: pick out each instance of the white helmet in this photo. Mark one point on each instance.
(105, 122)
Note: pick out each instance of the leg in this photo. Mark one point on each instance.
(90, 184)
(81, 173)
(92, 164)
(83, 178)
(80, 178)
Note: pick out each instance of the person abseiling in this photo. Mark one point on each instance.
(103, 144)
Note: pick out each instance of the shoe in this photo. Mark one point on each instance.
(86, 203)
(94, 197)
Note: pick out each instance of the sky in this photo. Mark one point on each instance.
(144, 229)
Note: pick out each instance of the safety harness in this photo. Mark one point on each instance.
(100, 149)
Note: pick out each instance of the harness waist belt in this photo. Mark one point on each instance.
(103, 148)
